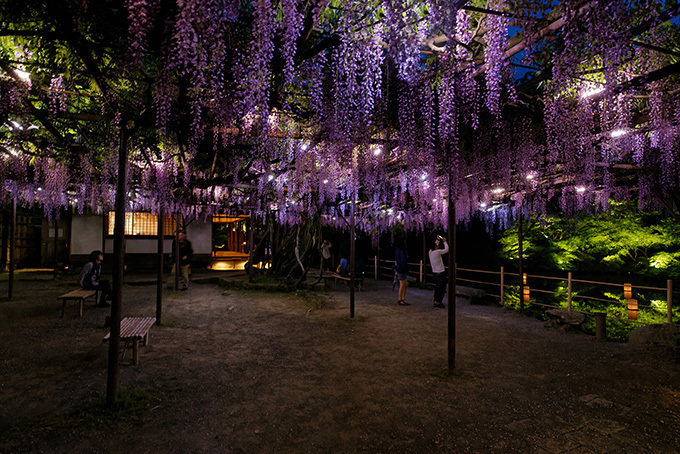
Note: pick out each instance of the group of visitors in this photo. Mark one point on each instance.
(440, 248)
(91, 273)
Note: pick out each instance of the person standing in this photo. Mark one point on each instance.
(326, 254)
(89, 278)
(401, 268)
(185, 255)
(438, 270)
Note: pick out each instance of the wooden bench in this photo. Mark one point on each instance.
(134, 329)
(359, 281)
(78, 295)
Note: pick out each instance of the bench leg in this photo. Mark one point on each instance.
(135, 347)
(122, 352)
(82, 303)
(146, 339)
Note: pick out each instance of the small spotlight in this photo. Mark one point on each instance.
(498, 191)
(591, 92)
(23, 75)
(618, 133)
(270, 178)
(580, 189)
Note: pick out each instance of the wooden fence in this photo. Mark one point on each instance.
(496, 282)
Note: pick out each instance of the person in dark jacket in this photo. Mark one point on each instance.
(401, 268)
(89, 278)
(185, 255)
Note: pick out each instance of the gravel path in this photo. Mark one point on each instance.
(260, 372)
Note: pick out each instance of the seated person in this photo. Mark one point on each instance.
(89, 278)
(343, 268)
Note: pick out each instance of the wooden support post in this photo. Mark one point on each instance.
(425, 255)
(420, 273)
(251, 239)
(12, 246)
(56, 231)
(520, 251)
(669, 300)
(105, 231)
(352, 259)
(159, 276)
(569, 291)
(502, 285)
(175, 251)
(376, 267)
(601, 326)
(452, 276)
(118, 266)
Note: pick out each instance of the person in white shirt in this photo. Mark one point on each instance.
(438, 270)
(326, 254)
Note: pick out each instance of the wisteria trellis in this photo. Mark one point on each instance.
(299, 107)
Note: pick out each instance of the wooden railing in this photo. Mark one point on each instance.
(384, 269)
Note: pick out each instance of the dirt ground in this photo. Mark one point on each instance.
(256, 372)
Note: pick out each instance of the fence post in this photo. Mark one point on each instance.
(669, 300)
(376, 267)
(421, 271)
(502, 285)
(600, 326)
(569, 291)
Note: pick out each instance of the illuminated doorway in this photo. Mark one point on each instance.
(230, 242)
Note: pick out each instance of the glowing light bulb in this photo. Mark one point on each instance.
(618, 133)
(580, 189)
(23, 75)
